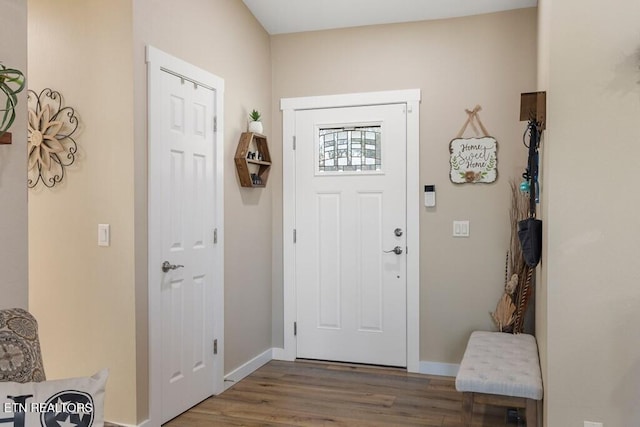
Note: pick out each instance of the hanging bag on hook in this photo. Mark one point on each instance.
(530, 229)
(530, 235)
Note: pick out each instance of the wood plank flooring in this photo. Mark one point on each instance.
(305, 393)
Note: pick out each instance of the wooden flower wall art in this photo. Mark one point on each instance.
(51, 147)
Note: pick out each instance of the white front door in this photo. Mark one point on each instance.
(350, 210)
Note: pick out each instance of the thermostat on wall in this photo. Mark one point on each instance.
(429, 196)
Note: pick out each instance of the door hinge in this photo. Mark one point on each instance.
(215, 236)
(294, 142)
(295, 329)
(215, 123)
(215, 346)
(295, 237)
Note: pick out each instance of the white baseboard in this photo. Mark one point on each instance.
(437, 368)
(232, 377)
(429, 368)
(145, 423)
(239, 373)
(279, 354)
(425, 367)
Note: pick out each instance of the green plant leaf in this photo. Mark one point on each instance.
(454, 164)
(255, 115)
(12, 82)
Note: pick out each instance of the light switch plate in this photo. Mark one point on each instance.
(460, 228)
(104, 235)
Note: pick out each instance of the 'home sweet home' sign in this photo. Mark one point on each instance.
(473, 160)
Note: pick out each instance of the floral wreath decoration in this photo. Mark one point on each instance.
(51, 147)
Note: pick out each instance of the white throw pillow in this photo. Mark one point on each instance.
(59, 403)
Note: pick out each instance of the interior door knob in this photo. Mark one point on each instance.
(397, 250)
(166, 266)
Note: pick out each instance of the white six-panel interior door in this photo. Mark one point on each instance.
(351, 284)
(187, 300)
(185, 235)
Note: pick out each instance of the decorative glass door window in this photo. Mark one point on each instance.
(354, 149)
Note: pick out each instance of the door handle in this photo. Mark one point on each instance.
(397, 250)
(166, 266)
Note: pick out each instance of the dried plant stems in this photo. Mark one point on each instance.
(518, 211)
(504, 314)
(506, 270)
(524, 292)
(511, 308)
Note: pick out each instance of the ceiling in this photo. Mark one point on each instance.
(292, 16)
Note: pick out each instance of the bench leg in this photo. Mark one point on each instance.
(539, 408)
(531, 413)
(467, 408)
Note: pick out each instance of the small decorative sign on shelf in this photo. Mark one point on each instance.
(473, 160)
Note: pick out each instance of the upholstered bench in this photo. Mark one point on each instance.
(501, 369)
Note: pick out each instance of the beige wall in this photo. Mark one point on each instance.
(544, 12)
(89, 51)
(588, 298)
(457, 63)
(223, 38)
(592, 150)
(82, 294)
(13, 172)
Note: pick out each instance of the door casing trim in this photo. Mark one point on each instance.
(289, 106)
(157, 61)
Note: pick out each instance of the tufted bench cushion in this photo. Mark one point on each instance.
(501, 369)
(499, 363)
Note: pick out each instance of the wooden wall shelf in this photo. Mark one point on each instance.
(253, 172)
(5, 138)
